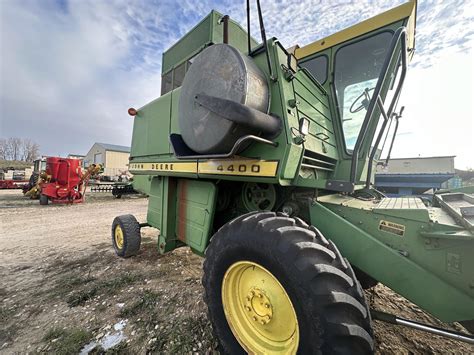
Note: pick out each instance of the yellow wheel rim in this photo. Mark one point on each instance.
(118, 234)
(258, 310)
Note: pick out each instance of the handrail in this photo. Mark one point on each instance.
(397, 120)
(399, 34)
(389, 115)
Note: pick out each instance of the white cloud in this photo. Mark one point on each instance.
(69, 73)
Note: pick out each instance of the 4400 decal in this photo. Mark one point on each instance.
(213, 167)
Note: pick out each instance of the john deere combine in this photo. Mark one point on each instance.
(262, 160)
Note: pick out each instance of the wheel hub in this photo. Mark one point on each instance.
(258, 310)
(118, 235)
(258, 306)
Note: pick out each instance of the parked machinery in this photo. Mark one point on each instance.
(263, 162)
(63, 181)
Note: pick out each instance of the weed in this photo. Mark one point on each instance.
(183, 336)
(108, 287)
(69, 341)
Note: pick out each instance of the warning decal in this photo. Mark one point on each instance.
(391, 227)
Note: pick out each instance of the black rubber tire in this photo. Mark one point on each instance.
(330, 305)
(43, 200)
(131, 235)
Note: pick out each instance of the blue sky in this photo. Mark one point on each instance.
(71, 69)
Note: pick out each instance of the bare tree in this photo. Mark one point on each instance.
(30, 150)
(18, 149)
(3, 149)
(15, 148)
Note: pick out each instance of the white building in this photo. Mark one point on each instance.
(114, 158)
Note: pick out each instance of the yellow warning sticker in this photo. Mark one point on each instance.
(392, 227)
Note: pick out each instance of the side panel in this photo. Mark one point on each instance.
(151, 128)
(161, 211)
(195, 211)
(142, 184)
(183, 211)
(395, 269)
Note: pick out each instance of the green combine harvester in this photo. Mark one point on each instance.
(261, 159)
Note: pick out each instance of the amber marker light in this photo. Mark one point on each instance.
(132, 111)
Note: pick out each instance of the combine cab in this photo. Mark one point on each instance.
(263, 160)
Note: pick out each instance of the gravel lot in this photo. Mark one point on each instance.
(63, 288)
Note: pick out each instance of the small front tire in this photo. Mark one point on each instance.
(43, 200)
(126, 237)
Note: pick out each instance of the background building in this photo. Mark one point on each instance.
(114, 158)
(76, 156)
(414, 176)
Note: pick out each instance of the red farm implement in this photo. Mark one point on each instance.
(13, 184)
(64, 181)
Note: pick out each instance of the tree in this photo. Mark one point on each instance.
(30, 150)
(18, 149)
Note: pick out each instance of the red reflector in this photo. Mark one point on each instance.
(132, 111)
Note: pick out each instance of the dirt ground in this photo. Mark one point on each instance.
(63, 290)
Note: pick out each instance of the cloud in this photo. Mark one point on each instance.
(70, 69)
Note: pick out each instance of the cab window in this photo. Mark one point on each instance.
(318, 67)
(357, 68)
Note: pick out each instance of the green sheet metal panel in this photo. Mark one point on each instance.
(192, 42)
(161, 211)
(142, 184)
(195, 211)
(209, 30)
(392, 249)
(151, 128)
(155, 203)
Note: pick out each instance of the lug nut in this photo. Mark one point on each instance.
(267, 305)
(248, 309)
(254, 318)
(262, 322)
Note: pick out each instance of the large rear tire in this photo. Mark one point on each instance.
(274, 284)
(126, 236)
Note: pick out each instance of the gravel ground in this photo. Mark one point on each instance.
(63, 289)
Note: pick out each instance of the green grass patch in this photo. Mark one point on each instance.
(182, 337)
(146, 303)
(69, 341)
(108, 286)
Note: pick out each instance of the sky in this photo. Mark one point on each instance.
(69, 70)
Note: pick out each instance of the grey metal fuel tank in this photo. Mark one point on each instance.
(219, 71)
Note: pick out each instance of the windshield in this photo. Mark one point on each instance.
(357, 68)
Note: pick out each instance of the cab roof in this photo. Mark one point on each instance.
(404, 11)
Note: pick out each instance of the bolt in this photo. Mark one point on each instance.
(260, 295)
(267, 305)
(268, 317)
(254, 318)
(248, 308)
(248, 298)
(262, 322)
(252, 293)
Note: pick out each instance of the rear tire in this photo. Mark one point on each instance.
(329, 304)
(43, 200)
(126, 236)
